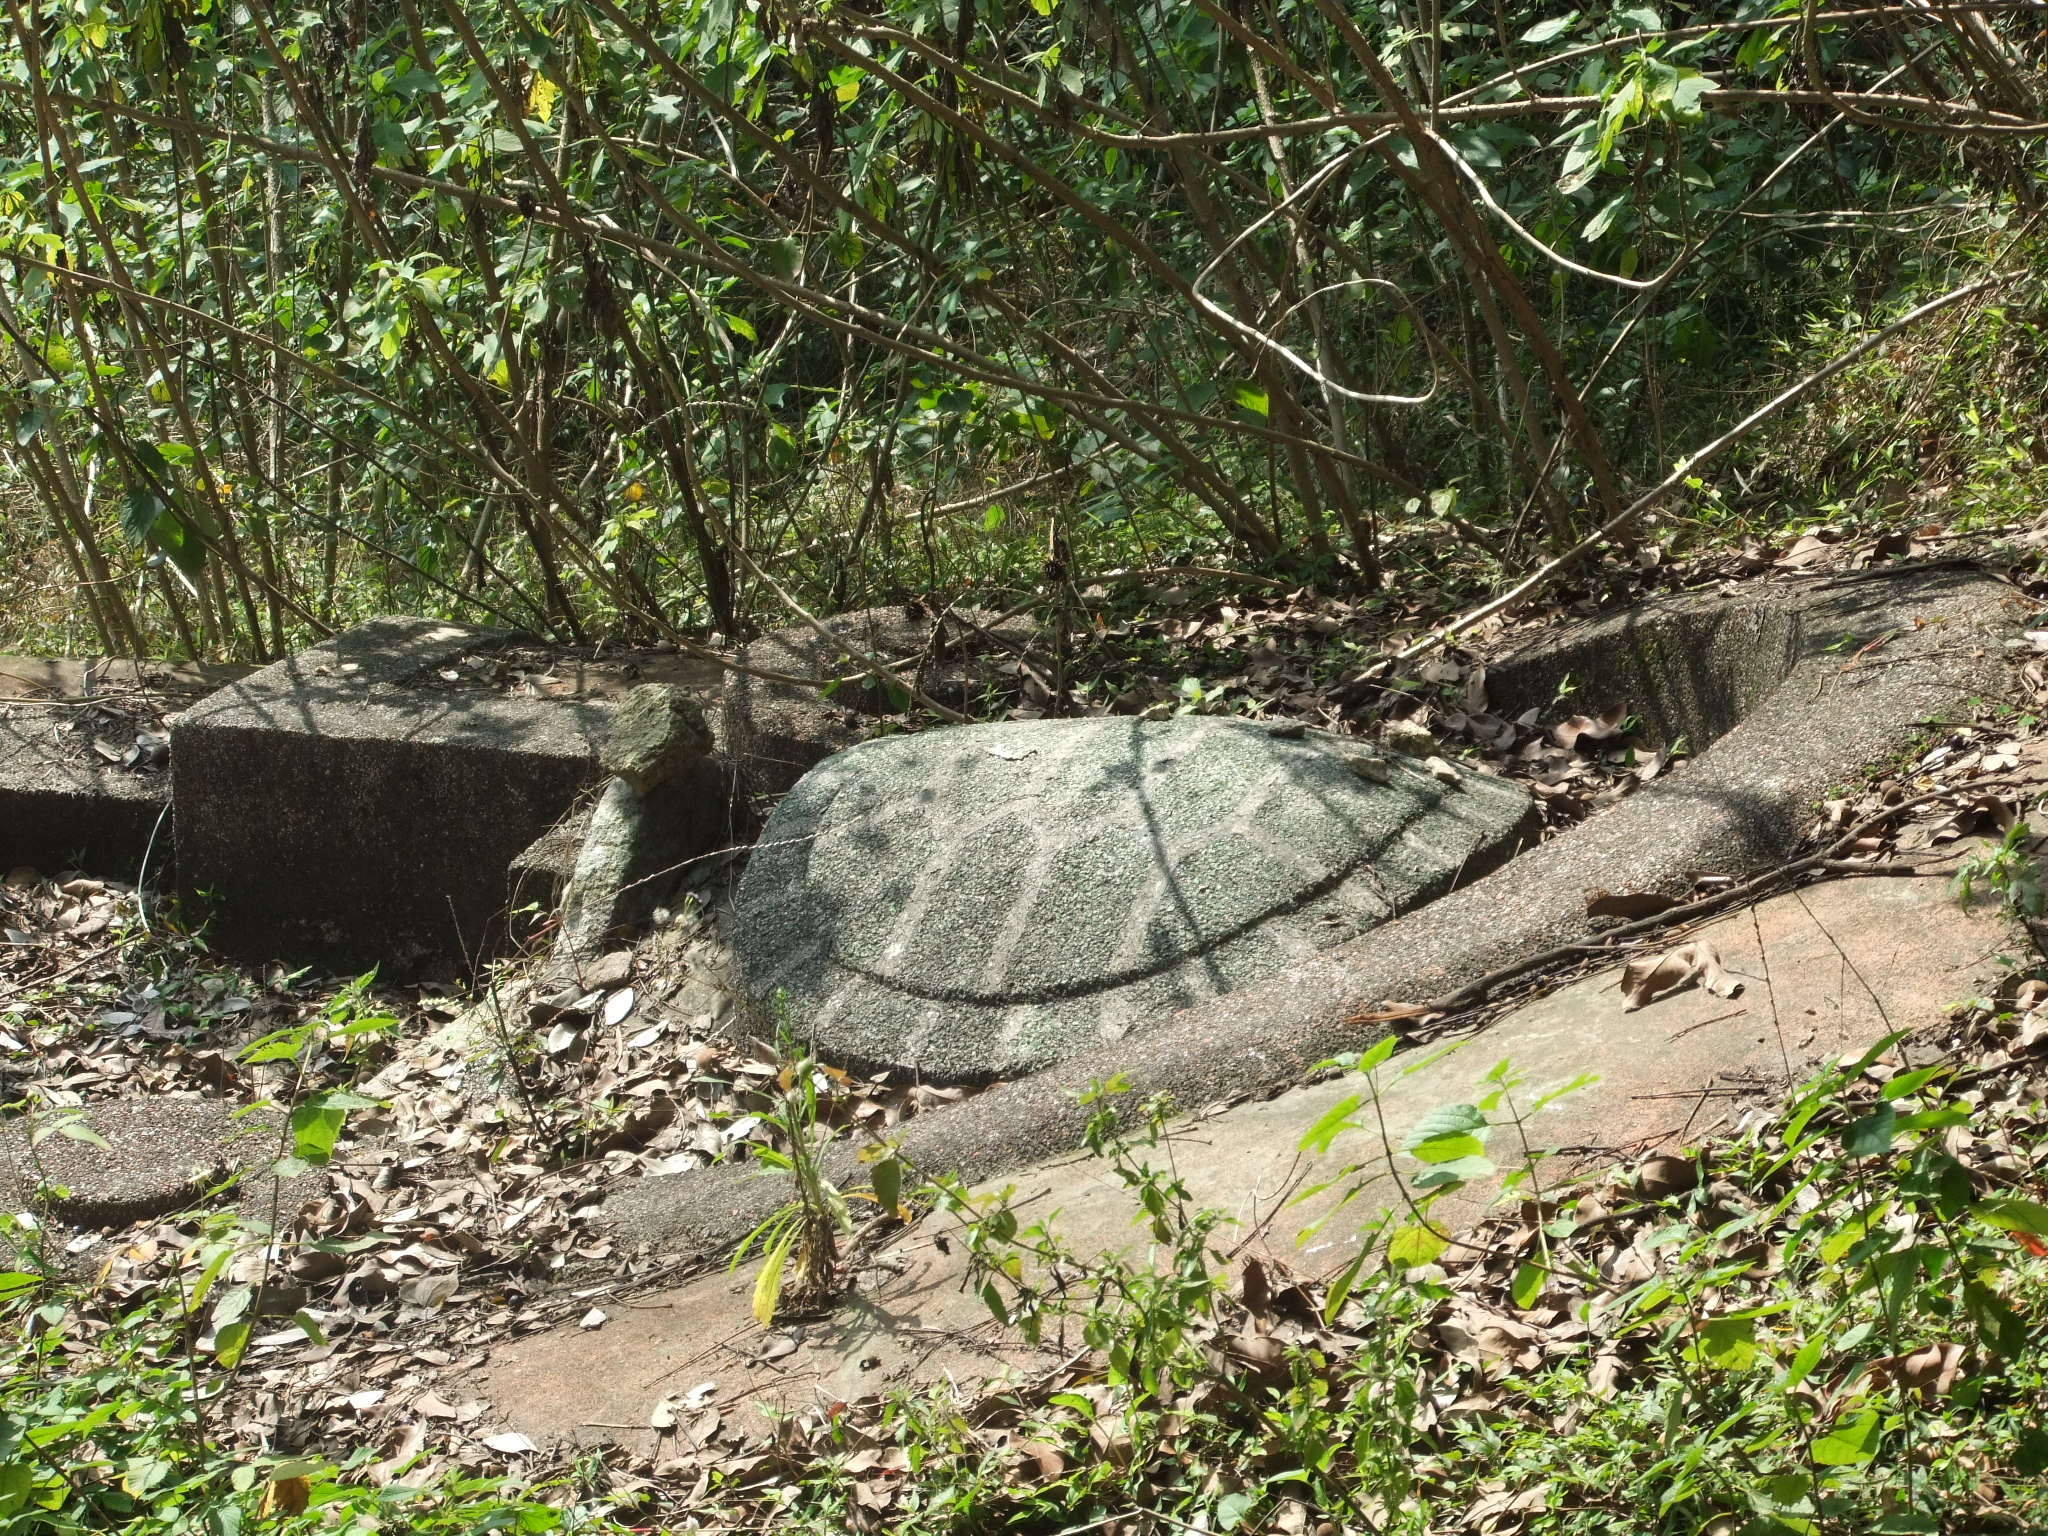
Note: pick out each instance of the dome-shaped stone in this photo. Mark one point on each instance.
(978, 902)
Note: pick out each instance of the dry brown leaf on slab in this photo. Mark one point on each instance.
(1644, 979)
(1569, 733)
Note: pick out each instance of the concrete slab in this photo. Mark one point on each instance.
(1927, 641)
(1825, 970)
(161, 1155)
(361, 803)
(82, 770)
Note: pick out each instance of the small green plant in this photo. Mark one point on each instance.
(2008, 870)
(800, 1242)
(1145, 1318)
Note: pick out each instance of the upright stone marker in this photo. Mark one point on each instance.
(978, 902)
(669, 802)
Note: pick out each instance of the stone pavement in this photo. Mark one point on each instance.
(1825, 970)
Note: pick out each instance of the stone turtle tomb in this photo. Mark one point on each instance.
(980, 901)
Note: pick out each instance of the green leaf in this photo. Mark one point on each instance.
(1727, 1344)
(1687, 94)
(1802, 1364)
(140, 513)
(1335, 1119)
(1852, 1441)
(207, 1277)
(1640, 18)
(1446, 1134)
(2030, 1455)
(1895, 1274)
(992, 1298)
(1254, 400)
(1476, 149)
(233, 1305)
(1850, 1233)
(309, 1328)
(1528, 1284)
(280, 1045)
(2015, 1215)
(2000, 1328)
(1412, 1247)
(1378, 1055)
(228, 1344)
(1459, 1170)
(14, 1282)
(73, 1127)
(1601, 222)
(1871, 1136)
(1910, 1082)
(1934, 1119)
(785, 258)
(1787, 1497)
(1939, 1179)
(1232, 1508)
(1547, 31)
(17, 1479)
(315, 1130)
(888, 1179)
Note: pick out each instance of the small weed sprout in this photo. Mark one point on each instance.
(2008, 870)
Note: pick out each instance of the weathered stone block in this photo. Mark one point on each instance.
(82, 780)
(776, 731)
(640, 847)
(361, 803)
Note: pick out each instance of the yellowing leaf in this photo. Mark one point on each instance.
(1414, 1246)
(540, 101)
(768, 1286)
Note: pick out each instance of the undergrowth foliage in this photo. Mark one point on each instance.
(658, 320)
(1829, 1320)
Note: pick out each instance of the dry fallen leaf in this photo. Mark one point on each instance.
(1664, 1175)
(1473, 1333)
(1044, 1459)
(1569, 733)
(411, 1440)
(510, 1443)
(286, 1496)
(1603, 1379)
(429, 1290)
(1644, 979)
(1931, 1371)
